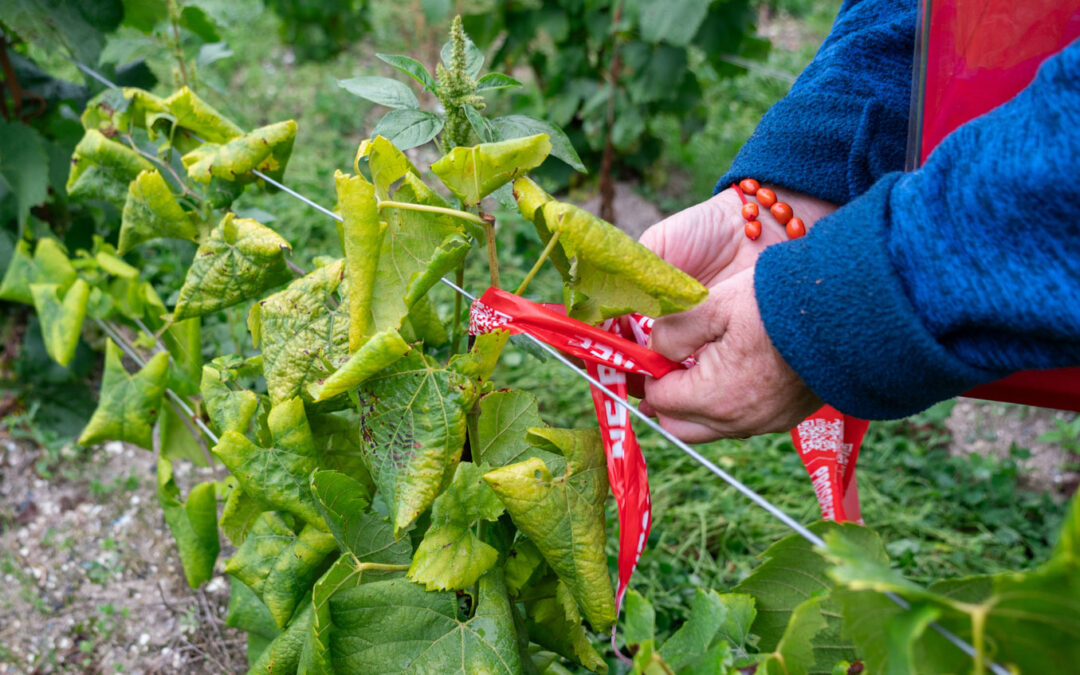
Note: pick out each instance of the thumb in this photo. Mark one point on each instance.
(681, 335)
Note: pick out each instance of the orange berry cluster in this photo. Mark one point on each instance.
(794, 227)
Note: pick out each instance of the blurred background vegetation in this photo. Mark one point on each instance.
(666, 116)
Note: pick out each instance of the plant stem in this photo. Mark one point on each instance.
(455, 338)
(178, 50)
(453, 213)
(493, 258)
(381, 567)
(539, 261)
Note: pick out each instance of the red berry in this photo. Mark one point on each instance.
(766, 196)
(782, 212)
(749, 186)
(753, 229)
(750, 211)
(795, 228)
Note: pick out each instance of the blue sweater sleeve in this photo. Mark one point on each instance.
(953, 275)
(844, 123)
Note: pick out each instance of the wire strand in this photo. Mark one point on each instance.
(735, 483)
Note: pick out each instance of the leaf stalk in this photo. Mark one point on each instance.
(539, 262)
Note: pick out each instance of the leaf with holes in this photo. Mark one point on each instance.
(277, 475)
(193, 524)
(103, 169)
(266, 149)
(61, 315)
(413, 432)
(151, 211)
(397, 626)
(564, 515)
(452, 555)
(303, 331)
(238, 260)
(474, 172)
(129, 404)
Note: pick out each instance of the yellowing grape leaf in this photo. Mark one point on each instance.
(396, 626)
(193, 524)
(564, 515)
(120, 110)
(189, 112)
(304, 331)
(362, 234)
(266, 149)
(413, 431)
(240, 513)
(253, 560)
(531, 198)
(102, 169)
(277, 475)
(229, 409)
(15, 287)
(474, 172)
(452, 555)
(238, 260)
(129, 404)
(61, 318)
(616, 273)
(248, 613)
(294, 571)
(151, 211)
(376, 353)
(283, 654)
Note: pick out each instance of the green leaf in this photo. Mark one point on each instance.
(189, 112)
(740, 613)
(708, 613)
(618, 274)
(564, 516)
(413, 432)
(795, 653)
(675, 21)
(20, 273)
(452, 555)
(362, 233)
(367, 537)
(530, 199)
(52, 265)
(253, 560)
(24, 167)
(410, 67)
(103, 169)
(518, 126)
(304, 331)
(474, 58)
(315, 657)
(505, 417)
(58, 26)
(376, 353)
(283, 654)
(640, 623)
(381, 90)
(179, 440)
(522, 563)
(408, 128)
(151, 211)
(792, 573)
(902, 632)
(229, 409)
(474, 172)
(294, 571)
(277, 475)
(338, 435)
(61, 318)
(247, 612)
(193, 524)
(144, 15)
(238, 261)
(239, 514)
(397, 626)
(493, 81)
(129, 404)
(480, 125)
(554, 622)
(266, 149)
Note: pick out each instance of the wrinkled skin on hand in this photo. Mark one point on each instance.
(741, 385)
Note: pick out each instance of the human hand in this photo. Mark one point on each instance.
(740, 387)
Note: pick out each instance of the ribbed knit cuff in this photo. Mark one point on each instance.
(836, 310)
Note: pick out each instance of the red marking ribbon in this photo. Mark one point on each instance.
(828, 441)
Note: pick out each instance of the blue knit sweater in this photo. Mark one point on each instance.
(925, 283)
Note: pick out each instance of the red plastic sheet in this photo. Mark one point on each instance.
(828, 443)
(976, 55)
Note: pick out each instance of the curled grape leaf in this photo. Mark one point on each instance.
(151, 211)
(238, 260)
(362, 234)
(413, 431)
(239, 514)
(229, 409)
(193, 524)
(266, 149)
(253, 560)
(376, 353)
(505, 417)
(516, 126)
(452, 555)
(397, 626)
(15, 286)
(121, 109)
(248, 613)
(61, 318)
(192, 114)
(530, 199)
(277, 475)
(283, 654)
(564, 515)
(304, 331)
(102, 169)
(294, 570)
(474, 172)
(554, 622)
(129, 404)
